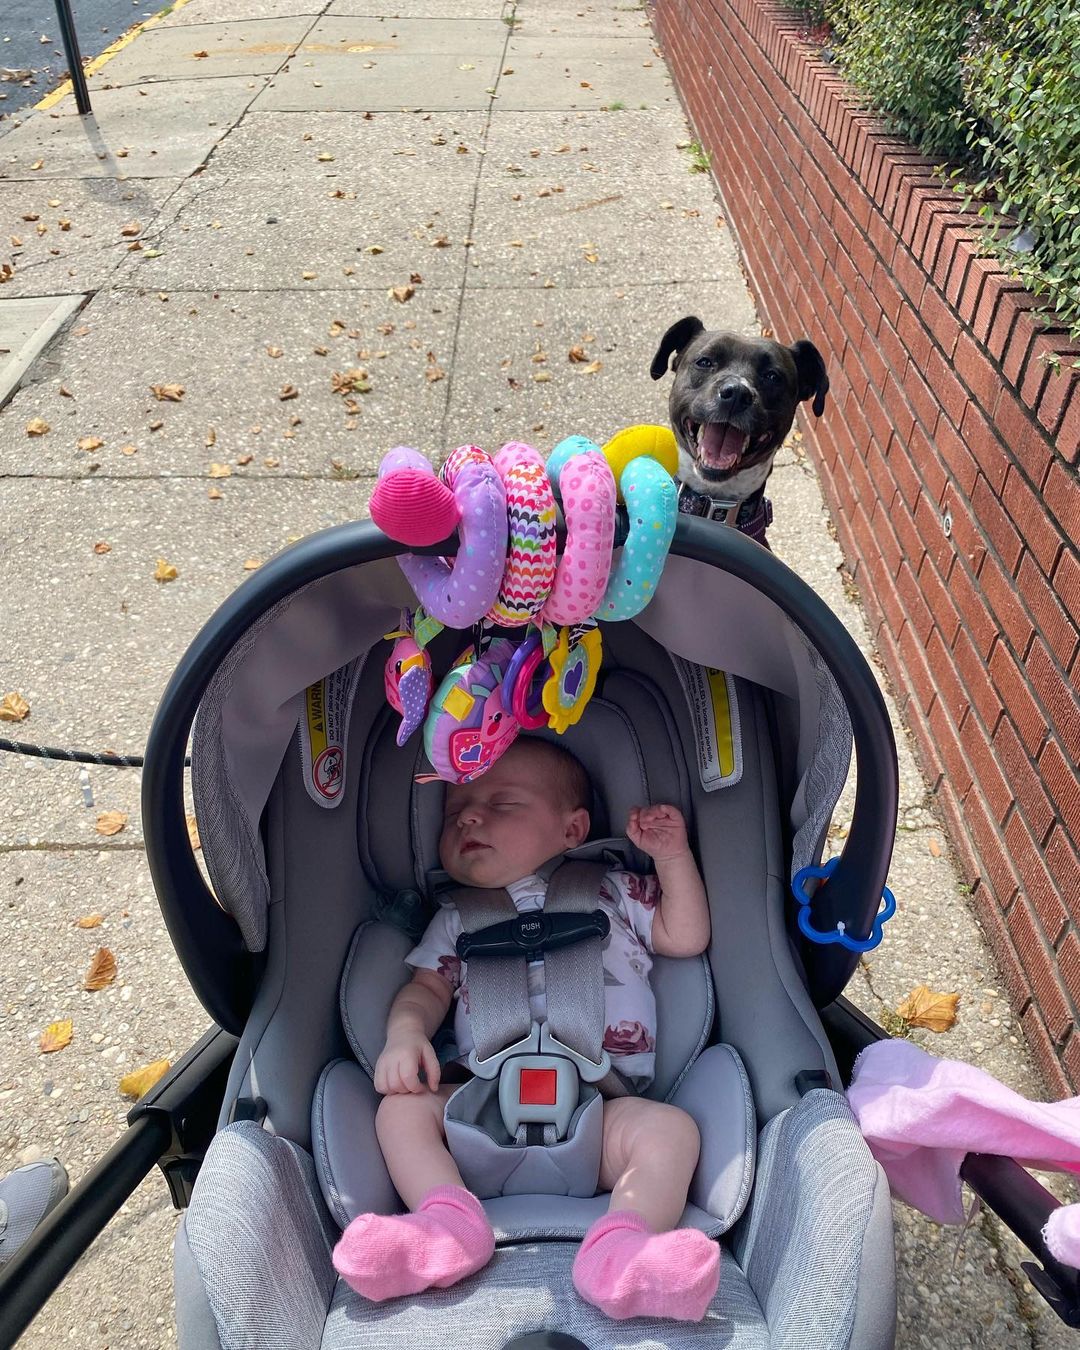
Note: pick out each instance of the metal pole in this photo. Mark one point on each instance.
(74, 59)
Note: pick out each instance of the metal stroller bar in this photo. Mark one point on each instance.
(74, 58)
(171, 1125)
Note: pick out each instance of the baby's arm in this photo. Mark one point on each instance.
(681, 925)
(415, 1015)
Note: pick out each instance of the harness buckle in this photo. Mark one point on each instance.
(539, 1079)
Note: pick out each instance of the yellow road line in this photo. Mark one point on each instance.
(50, 100)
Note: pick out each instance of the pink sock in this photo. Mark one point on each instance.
(387, 1255)
(626, 1271)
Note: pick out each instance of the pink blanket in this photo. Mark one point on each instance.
(921, 1115)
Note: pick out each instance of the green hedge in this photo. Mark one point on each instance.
(992, 86)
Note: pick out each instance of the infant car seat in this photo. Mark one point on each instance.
(317, 870)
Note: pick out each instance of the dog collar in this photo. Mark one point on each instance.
(752, 516)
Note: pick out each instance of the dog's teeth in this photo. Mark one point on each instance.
(699, 433)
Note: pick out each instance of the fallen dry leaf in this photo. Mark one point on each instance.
(325, 158)
(139, 1082)
(354, 381)
(924, 1008)
(65, 392)
(102, 547)
(220, 470)
(247, 456)
(200, 56)
(289, 391)
(402, 293)
(592, 368)
(102, 970)
(129, 449)
(90, 921)
(215, 495)
(14, 708)
(193, 832)
(37, 426)
(578, 354)
(274, 351)
(167, 393)
(89, 443)
(211, 438)
(165, 571)
(55, 1036)
(934, 847)
(309, 276)
(111, 822)
(252, 564)
(130, 230)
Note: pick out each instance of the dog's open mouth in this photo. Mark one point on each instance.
(719, 444)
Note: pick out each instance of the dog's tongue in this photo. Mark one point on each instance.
(721, 445)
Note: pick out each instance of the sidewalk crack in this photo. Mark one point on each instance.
(508, 18)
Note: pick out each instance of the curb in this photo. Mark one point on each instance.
(92, 67)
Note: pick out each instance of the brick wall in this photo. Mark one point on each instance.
(948, 454)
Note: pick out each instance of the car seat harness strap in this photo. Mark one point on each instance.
(540, 1065)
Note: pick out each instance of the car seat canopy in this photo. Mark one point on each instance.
(255, 701)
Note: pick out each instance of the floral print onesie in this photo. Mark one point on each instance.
(630, 901)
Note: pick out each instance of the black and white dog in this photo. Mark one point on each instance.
(732, 403)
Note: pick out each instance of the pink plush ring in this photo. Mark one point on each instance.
(587, 488)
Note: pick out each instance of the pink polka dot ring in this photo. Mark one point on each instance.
(586, 487)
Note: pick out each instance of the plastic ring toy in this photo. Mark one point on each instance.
(459, 592)
(469, 725)
(531, 550)
(574, 668)
(839, 934)
(518, 685)
(587, 489)
(652, 505)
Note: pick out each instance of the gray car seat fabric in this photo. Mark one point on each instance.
(809, 1267)
(267, 1209)
(250, 710)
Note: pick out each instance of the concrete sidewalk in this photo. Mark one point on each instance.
(272, 195)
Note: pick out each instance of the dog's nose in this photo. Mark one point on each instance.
(735, 396)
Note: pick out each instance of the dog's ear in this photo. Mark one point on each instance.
(813, 381)
(674, 340)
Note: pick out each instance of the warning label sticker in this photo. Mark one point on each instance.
(324, 733)
(714, 713)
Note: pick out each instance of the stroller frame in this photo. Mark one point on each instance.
(172, 1126)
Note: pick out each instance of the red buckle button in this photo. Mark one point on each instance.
(537, 1087)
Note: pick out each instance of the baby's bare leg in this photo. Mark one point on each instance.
(445, 1237)
(410, 1131)
(634, 1262)
(649, 1154)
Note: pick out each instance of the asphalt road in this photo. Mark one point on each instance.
(23, 24)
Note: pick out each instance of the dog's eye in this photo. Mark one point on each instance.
(771, 376)
(704, 363)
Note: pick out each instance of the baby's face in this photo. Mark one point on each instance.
(502, 826)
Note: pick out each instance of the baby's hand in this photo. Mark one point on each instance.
(398, 1067)
(659, 831)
